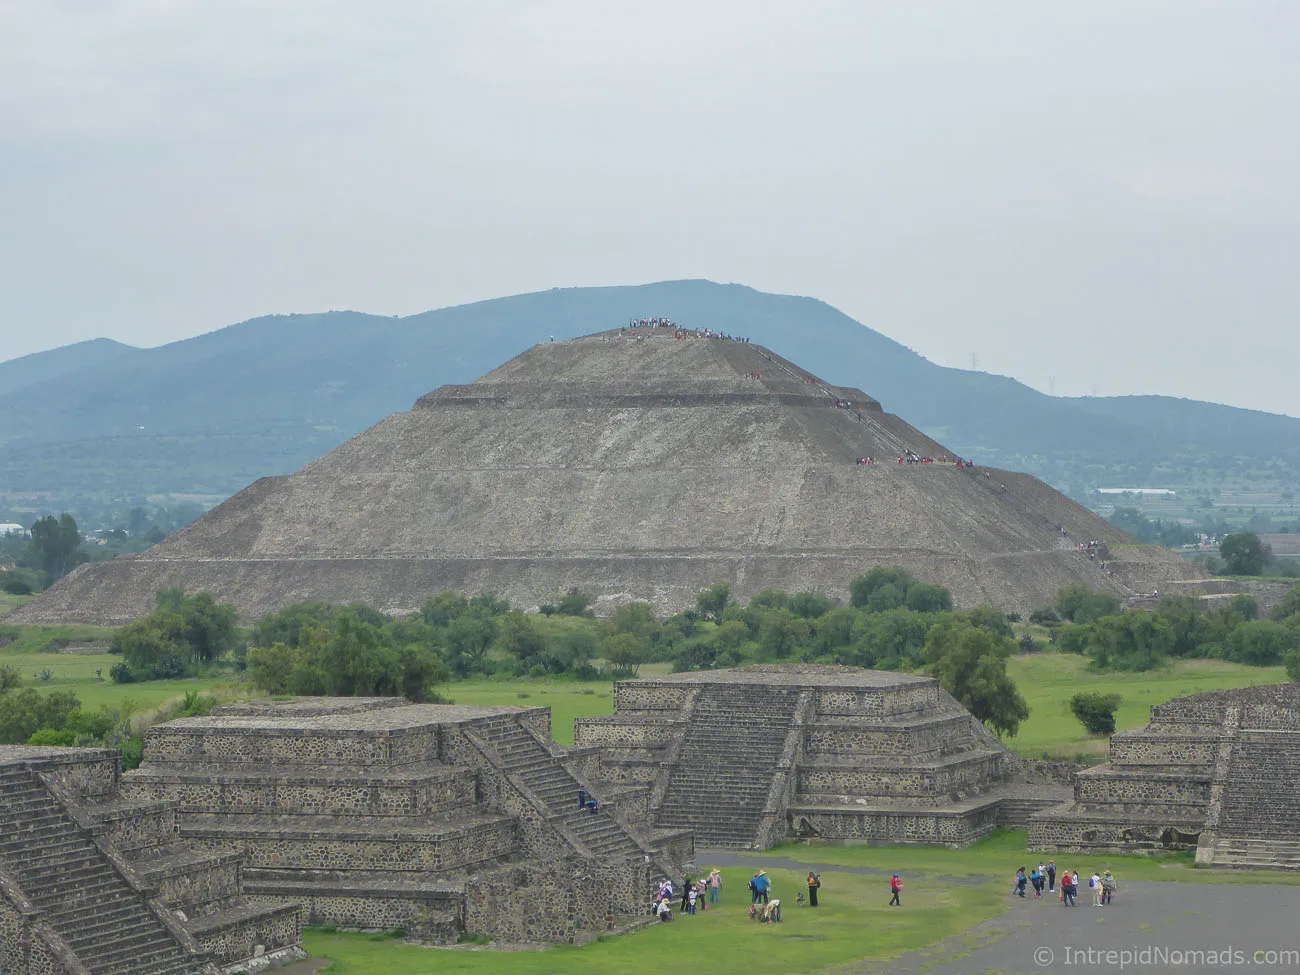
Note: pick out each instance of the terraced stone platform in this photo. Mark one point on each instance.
(1214, 771)
(376, 813)
(94, 882)
(749, 756)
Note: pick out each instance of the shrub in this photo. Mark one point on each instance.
(1096, 711)
(53, 736)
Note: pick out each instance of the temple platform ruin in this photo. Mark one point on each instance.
(1216, 772)
(239, 828)
(750, 756)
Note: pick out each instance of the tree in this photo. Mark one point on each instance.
(1261, 643)
(1096, 711)
(25, 712)
(863, 586)
(55, 547)
(971, 665)
(1244, 554)
(9, 679)
(518, 638)
(712, 603)
(1292, 662)
(1287, 606)
(927, 597)
(1130, 641)
(625, 651)
(575, 603)
(1079, 604)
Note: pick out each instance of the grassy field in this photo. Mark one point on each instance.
(1049, 680)
(853, 923)
(999, 855)
(9, 603)
(77, 672)
(947, 892)
(566, 699)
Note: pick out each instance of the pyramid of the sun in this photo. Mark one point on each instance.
(643, 466)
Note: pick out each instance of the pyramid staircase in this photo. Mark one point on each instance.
(726, 762)
(523, 754)
(106, 921)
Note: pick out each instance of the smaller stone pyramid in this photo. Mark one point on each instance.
(749, 756)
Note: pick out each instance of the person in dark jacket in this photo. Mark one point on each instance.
(814, 882)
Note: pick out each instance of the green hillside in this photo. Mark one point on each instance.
(209, 414)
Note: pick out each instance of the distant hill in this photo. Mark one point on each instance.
(211, 413)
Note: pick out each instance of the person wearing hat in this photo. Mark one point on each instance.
(761, 886)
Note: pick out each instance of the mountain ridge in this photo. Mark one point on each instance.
(264, 396)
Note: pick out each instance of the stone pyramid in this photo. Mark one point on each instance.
(637, 464)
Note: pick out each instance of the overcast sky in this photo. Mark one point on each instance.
(1103, 193)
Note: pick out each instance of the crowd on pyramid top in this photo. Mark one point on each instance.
(679, 331)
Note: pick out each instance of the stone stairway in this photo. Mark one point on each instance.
(1257, 854)
(522, 754)
(79, 891)
(1258, 802)
(727, 762)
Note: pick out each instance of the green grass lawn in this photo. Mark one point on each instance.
(40, 639)
(9, 603)
(76, 672)
(1049, 680)
(947, 892)
(566, 699)
(998, 856)
(853, 923)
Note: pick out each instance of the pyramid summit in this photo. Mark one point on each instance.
(640, 463)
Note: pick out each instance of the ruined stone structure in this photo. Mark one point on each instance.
(94, 883)
(438, 819)
(749, 756)
(1215, 771)
(643, 467)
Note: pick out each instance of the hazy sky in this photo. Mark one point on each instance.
(1101, 192)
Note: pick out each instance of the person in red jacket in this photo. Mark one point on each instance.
(896, 888)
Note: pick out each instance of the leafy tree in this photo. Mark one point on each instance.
(991, 619)
(1096, 711)
(1292, 662)
(518, 637)
(927, 597)
(782, 634)
(1287, 606)
(887, 597)
(971, 665)
(441, 609)
(1261, 643)
(575, 648)
(864, 586)
(286, 625)
(182, 631)
(1244, 554)
(575, 603)
(712, 603)
(25, 712)
(468, 639)
(55, 547)
(9, 679)
(1079, 604)
(809, 605)
(1073, 638)
(625, 651)
(1130, 641)
(636, 620)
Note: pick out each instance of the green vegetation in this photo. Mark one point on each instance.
(182, 635)
(1096, 711)
(1049, 680)
(1178, 627)
(999, 854)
